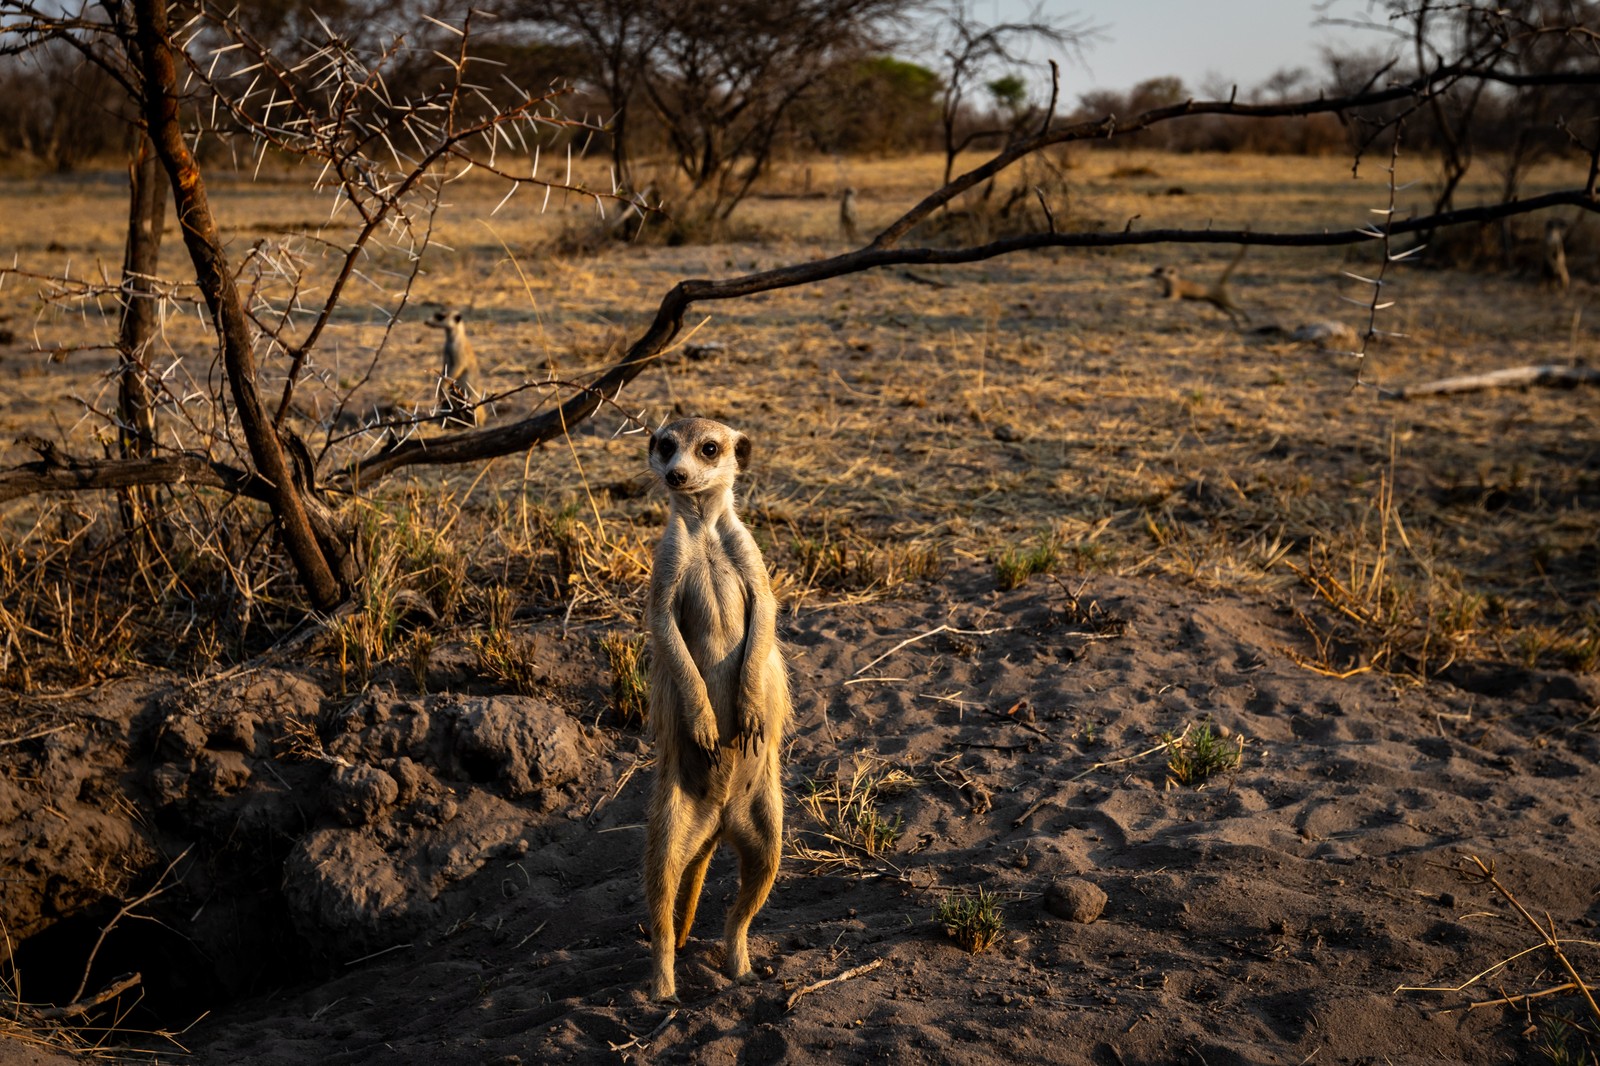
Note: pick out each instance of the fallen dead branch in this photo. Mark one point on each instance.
(857, 971)
(1553, 376)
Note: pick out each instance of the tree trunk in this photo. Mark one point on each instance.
(141, 255)
(309, 553)
(140, 260)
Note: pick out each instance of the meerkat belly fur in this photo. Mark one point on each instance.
(719, 698)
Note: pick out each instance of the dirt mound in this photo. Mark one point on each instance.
(475, 857)
(257, 809)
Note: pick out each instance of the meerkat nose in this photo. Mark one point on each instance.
(675, 478)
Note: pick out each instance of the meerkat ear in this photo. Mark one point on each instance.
(741, 451)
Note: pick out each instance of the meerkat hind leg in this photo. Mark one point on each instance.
(680, 829)
(755, 828)
(694, 877)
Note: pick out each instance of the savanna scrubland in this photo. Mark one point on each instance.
(1045, 543)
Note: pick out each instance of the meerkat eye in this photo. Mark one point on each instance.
(709, 449)
(665, 446)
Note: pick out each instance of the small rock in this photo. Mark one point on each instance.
(527, 744)
(1075, 899)
(1447, 899)
(1007, 433)
(1325, 332)
(700, 353)
(358, 794)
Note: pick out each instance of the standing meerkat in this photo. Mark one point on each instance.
(719, 698)
(847, 216)
(457, 374)
(1555, 254)
(1176, 287)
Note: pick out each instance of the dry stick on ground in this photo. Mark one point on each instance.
(122, 912)
(1555, 376)
(857, 971)
(111, 991)
(1166, 744)
(1485, 873)
(1527, 997)
(643, 1042)
(931, 633)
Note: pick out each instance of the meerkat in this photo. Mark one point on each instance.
(719, 698)
(1555, 254)
(459, 369)
(847, 216)
(1176, 287)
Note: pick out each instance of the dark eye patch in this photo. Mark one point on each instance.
(709, 449)
(665, 447)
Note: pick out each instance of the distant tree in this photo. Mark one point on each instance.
(724, 73)
(874, 105)
(61, 108)
(611, 43)
(718, 76)
(1010, 95)
(972, 48)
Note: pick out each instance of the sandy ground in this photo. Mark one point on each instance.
(1269, 917)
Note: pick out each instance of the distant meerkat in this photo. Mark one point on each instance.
(1176, 287)
(719, 698)
(847, 216)
(458, 371)
(1555, 254)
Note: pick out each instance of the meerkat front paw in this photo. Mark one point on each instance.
(703, 732)
(750, 724)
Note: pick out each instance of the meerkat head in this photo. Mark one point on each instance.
(695, 456)
(449, 320)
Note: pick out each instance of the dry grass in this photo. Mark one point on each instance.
(1564, 1039)
(630, 676)
(897, 427)
(845, 806)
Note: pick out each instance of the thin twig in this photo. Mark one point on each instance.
(122, 912)
(1165, 744)
(1525, 997)
(111, 991)
(930, 633)
(857, 971)
(1547, 931)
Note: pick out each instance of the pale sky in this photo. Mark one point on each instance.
(1240, 41)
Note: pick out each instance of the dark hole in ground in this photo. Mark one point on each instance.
(194, 956)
